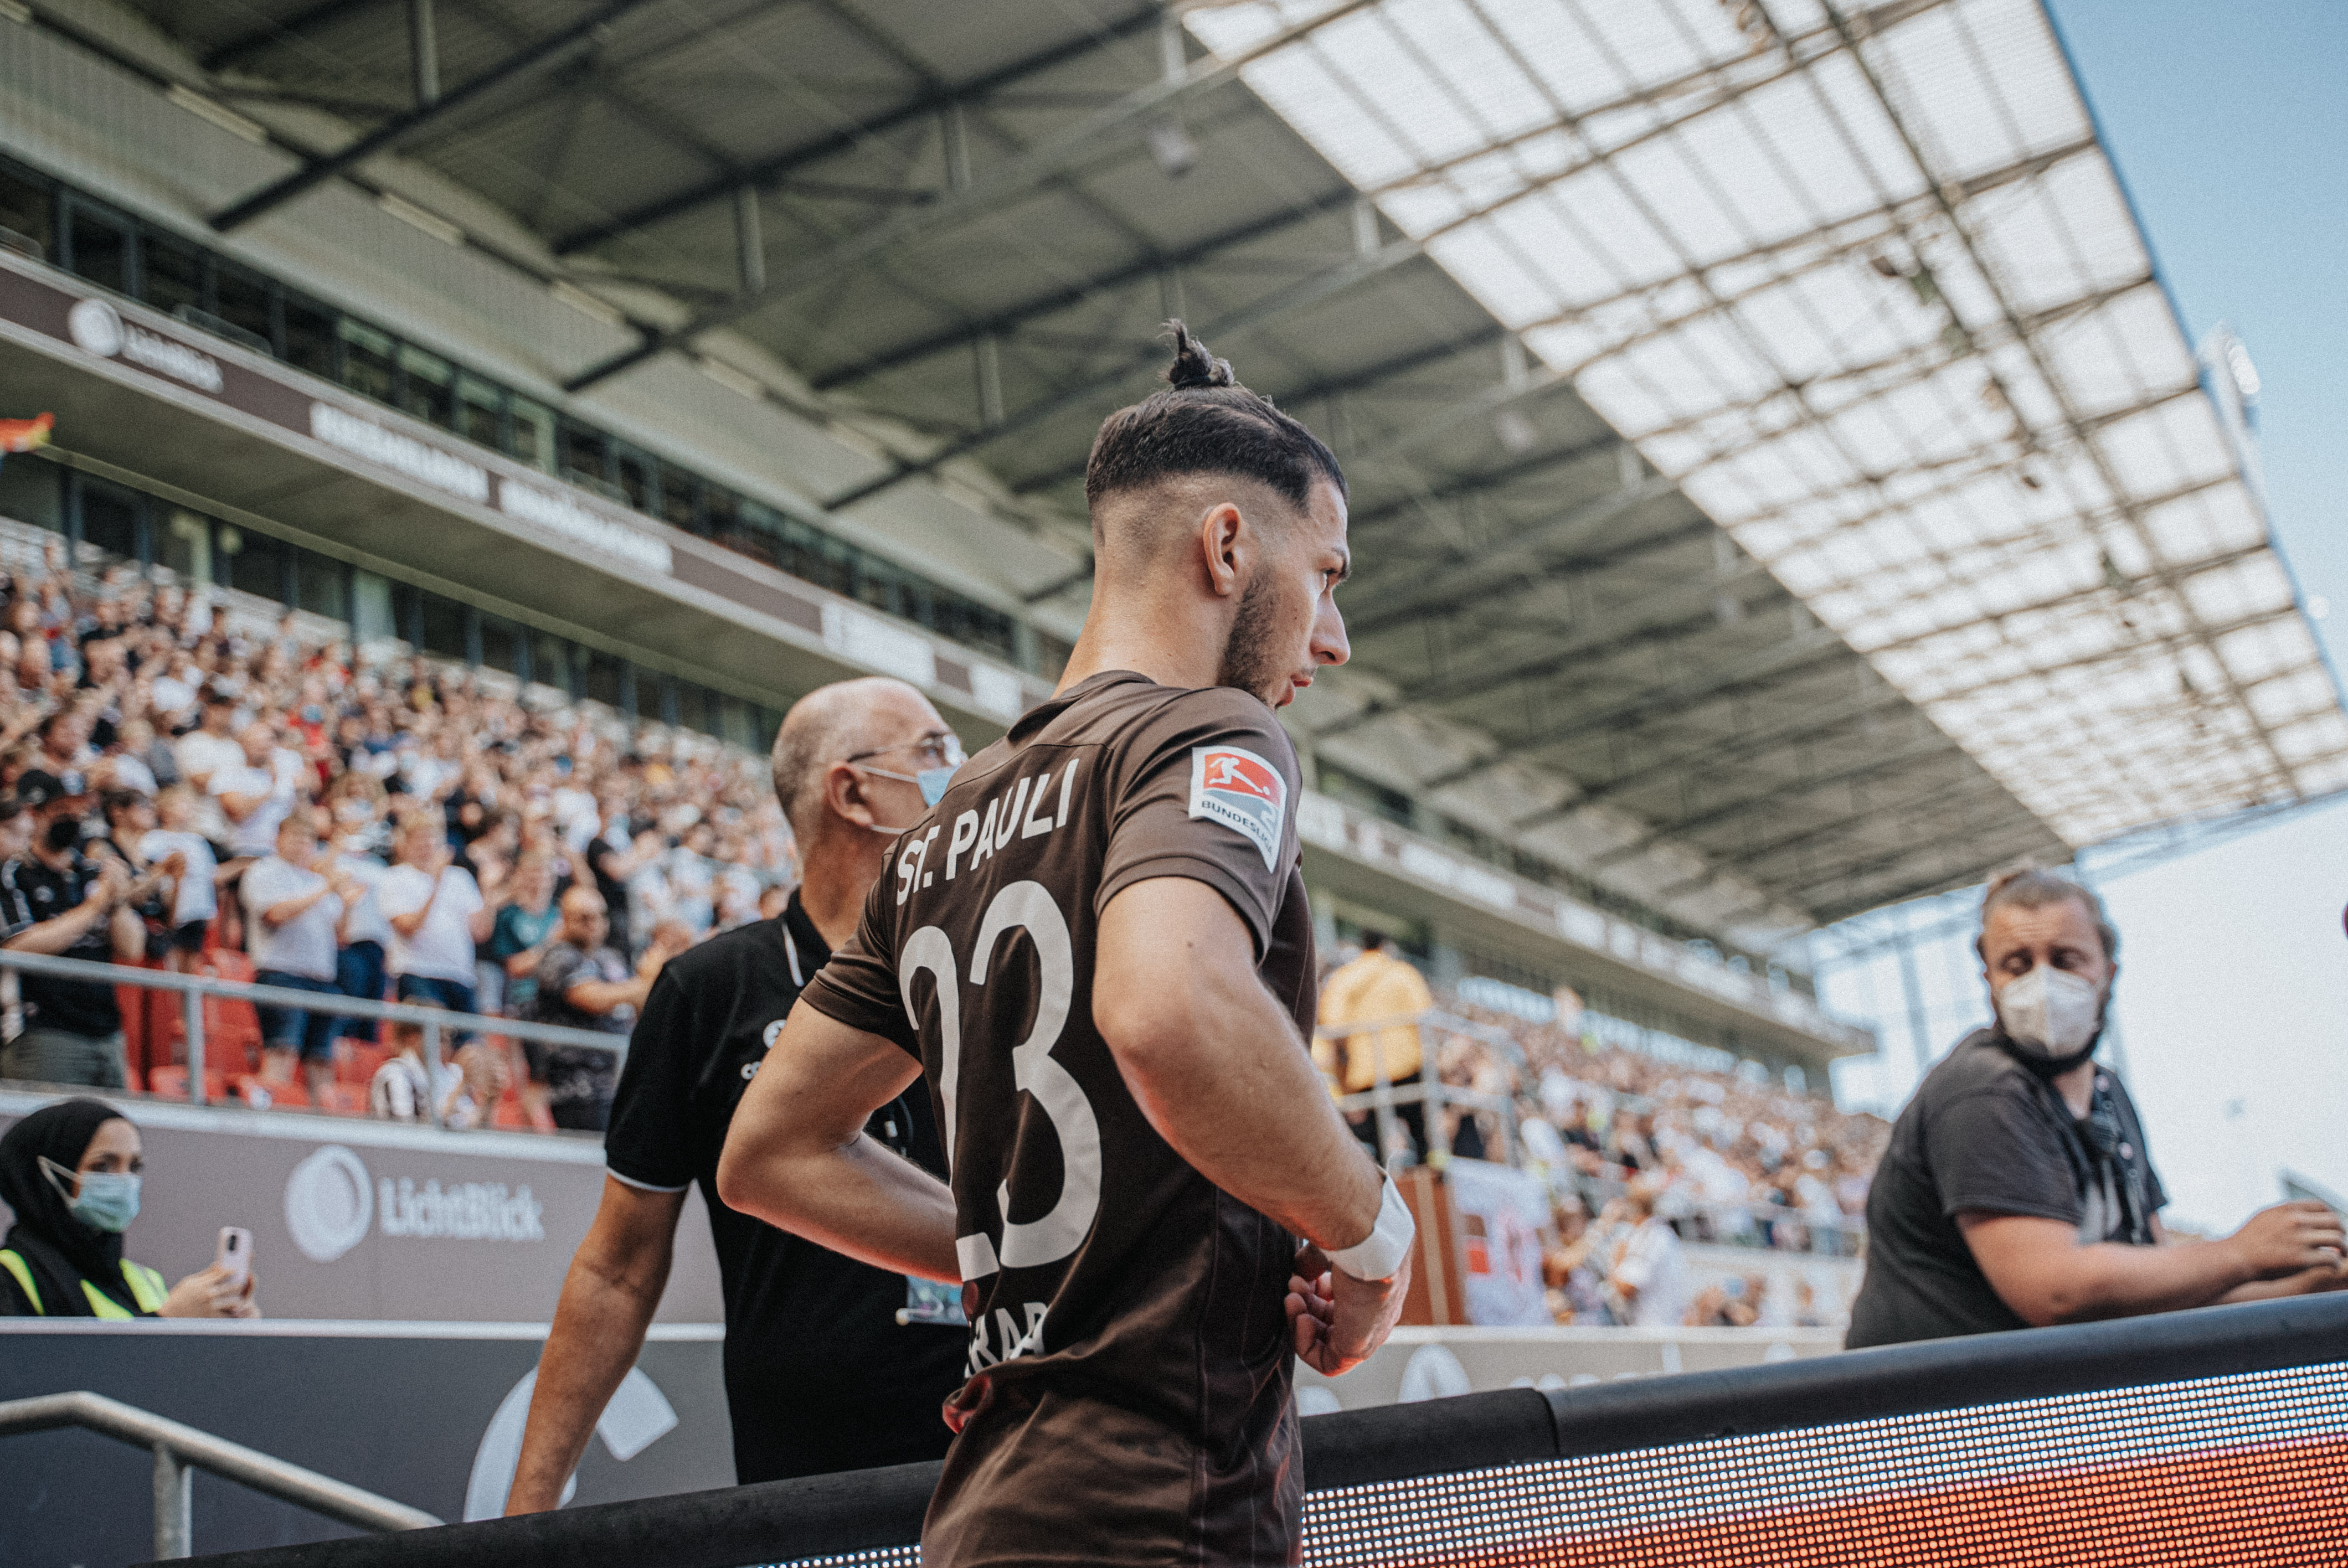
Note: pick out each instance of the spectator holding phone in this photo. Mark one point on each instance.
(70, 1173)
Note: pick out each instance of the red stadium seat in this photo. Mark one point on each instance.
(171, 1083)
(355, 1062)
(274, 1094)
(344, 1099)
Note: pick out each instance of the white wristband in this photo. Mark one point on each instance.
(1380, 1256)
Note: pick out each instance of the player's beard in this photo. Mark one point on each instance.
(1250, 661)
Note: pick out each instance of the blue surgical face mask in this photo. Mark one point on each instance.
(108, 1200)
(931, 782)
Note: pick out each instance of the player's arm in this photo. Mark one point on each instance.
(608, 1300)
(797, 1156)
(2039, 1268)
(1216, 1064)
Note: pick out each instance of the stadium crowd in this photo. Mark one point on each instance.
(190, 780)
(250, 796)
(1645, 1154)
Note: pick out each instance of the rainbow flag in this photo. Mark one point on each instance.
(26, 435)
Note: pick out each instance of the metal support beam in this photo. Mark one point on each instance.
(1092, 139)
(1599, 631)
(1935, 746)
(749, 242)
(1991, 852)
(1806, 726)
(987, 361)
(536, 58)
(423, 53)
(1447, 590)
(1147, 268)
(1747, 674)
(768, 171)
(1946, 194)
(1973, 786)
(301, 23)
(1296, 296)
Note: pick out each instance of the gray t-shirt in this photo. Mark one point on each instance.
(303, 945)
(1985, 1134)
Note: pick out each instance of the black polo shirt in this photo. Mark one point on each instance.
(30, 893)
(819, 1375)
(1987, 1134)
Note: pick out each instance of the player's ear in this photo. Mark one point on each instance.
(1221, 536)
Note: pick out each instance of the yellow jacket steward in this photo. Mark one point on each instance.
(147, 1288)
(1373, 986)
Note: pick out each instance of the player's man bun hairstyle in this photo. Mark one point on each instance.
(1205, 422)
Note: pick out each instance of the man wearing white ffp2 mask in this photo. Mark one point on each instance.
(2017, 1191)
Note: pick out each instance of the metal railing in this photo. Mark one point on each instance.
(180, 1450)
(1384, 1095)
(193, 988)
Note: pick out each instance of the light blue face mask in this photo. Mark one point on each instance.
(108, 1200)
(932, 782)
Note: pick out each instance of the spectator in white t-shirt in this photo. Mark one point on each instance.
(194, 898)
(1650, 1267)
(297, 908)
(201, 752)
(436, 915)
(256, 794)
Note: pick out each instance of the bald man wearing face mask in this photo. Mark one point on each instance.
(2018, 1191)
(830, 1364)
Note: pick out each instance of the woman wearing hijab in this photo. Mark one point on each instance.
(69, 1173)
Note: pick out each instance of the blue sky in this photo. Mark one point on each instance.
(2229, 124)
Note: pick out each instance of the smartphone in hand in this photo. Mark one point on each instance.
(235, 1254)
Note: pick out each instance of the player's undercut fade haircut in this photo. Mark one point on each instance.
(1206, 423)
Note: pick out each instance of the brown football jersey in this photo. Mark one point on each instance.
(1129, 1360)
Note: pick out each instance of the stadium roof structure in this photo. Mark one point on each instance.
(1779, 481)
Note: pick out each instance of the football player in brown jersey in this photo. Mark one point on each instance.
(1096, 949)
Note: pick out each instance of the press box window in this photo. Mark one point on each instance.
(28, 223)
(480, 412)
(310, 337)
(321, 585)
(97, 247)
(367, 365)
(533, 434)
(32, 490)
(172, 278)
(244, 302)
(109, 516)
(183, 546)
(427, 387)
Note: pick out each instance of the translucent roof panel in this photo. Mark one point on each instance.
(1864, 282)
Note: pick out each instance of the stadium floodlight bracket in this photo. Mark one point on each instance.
(393, 132)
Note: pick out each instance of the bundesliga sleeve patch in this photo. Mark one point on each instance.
(1242, 791)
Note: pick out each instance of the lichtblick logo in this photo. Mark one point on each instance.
(96, 328)
(329, 1202)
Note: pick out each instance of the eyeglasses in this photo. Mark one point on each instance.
(937, 749)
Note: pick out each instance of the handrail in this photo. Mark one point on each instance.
(863, 1510)
(193, 988)
(179, 1447)
(1383, 1096)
